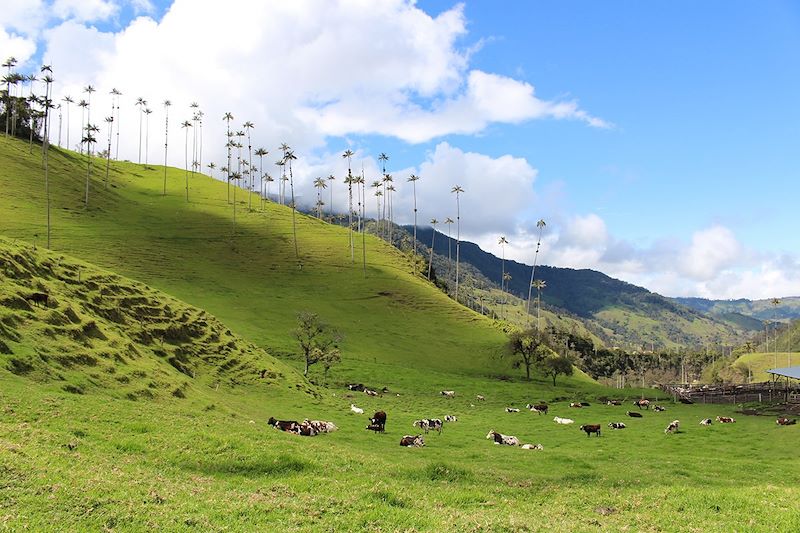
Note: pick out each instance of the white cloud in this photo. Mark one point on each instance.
(84, 10)
(712, 250)
(16, 46)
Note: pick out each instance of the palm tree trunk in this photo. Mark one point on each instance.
(458, 241)
(294, 211)
(430, 262)
(166, 147)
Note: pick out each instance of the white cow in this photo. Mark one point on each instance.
(559, 420)
(499, 438)
(356, 410)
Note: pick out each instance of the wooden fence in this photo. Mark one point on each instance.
(766, 392)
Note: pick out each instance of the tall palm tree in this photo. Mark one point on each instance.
(60, 115)
(195, 110)
(227, 118)
(261, 152)
(449, 221)
(234, 176)
(89, 139)
(247, 127)
(167, 103)
(541, 225)
(390, 191)
(88, 90)
(502, 242)
(147, 113)
(458, 190)
(48, 80)
(362, 183)
(320, 184)
(289, 158)
(211, 166)
(383, 158)
(8, 64)
(348, 154)
(775, 303)
(506, 279)
(68, 100)
(110, 122)
(30, 78)
(280, 163)
(141, 103)
(186, 125)
(378, 197)
(433, 240)
(282, 186)
(539, 284)
(268, 179)
(387, 179)
(115, 94)
(332, 179)
(82, 104)
(413, 179)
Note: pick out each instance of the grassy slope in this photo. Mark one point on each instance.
(760, 362)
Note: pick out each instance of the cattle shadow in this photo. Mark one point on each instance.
(282, 465)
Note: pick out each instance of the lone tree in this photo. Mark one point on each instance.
(318, 341)
(528, 348)
(555, 365)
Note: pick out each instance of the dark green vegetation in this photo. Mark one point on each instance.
(78, 452)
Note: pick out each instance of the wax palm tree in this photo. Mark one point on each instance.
(261, 152)
(110, 122)
(89, 139)
(433, 240)
(348, 154)
(320, 184)
(332, 179)
(30, 78)
(506, 279)
(211, 166)
(413, 179)
(68, 100)
(247, 127)
(195, 110)
(502, 242)
(234, 176)
(539, 284)
(390, 191)
(378, 197)
(227, 118)
(48, 80)
(359, 181)
(115, 94)
(82, 104)
(147, 113)
(167, 103)
(186, 125)
(362, 183)
(141, 103)
(457, 190)
(386, 179)
(268, 179)
(289, 158)
(775, 303)
(281, 174)
(8, 64)
(449, 221)
(541, 225)
(282, 185)
(383, 158)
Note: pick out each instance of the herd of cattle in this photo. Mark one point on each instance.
(377, 422)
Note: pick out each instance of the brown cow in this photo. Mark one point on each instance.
(292, 426)
(591, 428)
(412, 441)
(726, 420)
(644, 402)
(781, 421)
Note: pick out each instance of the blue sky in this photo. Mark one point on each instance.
(658, 139)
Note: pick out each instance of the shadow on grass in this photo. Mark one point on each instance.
(282, 465)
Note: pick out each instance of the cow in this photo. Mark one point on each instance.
(591, 428)
(306, 429)
(292, 426)
(644, 402)
(672, 427)
(706, 422)
(427, 424)
(616, 425)
(577, 405)
(448, 393)
(613, 402)
(377, 428)
(781, 421)
(321, 426)
(512, 410)
(499, 438)
(358, 387)
(726, 420)
(480, 397)
(532, 447)
(564, 421)
(450, 418)
(379, 421)
(541, 408)
(633, 414)
(659, 409)
(356, 410)
(412, 441)
(369, 392)
(38, 299)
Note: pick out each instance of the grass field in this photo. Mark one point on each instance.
(205, 459)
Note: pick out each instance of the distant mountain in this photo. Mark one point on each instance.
(617, 311)
(787, 309)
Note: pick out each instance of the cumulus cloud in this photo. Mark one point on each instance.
(84, 10)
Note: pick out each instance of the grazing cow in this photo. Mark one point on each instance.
(532, 447)
(427, 424)
(356, 410)
(565, 421)
(591, 428)
(659, 409)
(541, 409)
(672, 427)
(480, 397)
(726, 420)
(412, 441)
(512, 410)
(358, 387)
(706, 422)
(378, 422)
(642, 403)
(448, 393)
(576, 404)
(616, 425)
(614, 402)
(499, 438)
(781, 421)
(292, 426)
(450, 418)
(633, 414)
(38, 298)
(370, 392)
(321, 426)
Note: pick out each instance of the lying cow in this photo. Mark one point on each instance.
(499, 438)
(448, 393)
(532, 447)
(541, 409)
(564, 421)
(292, 426)
(577, 405)
(659, 409)
(706, 422)
(512, 410)
(781, 421)
(633, 414)
(369, 392)
(480, 397)
(412, 441)
(672, 427)
(450, 418)
(591, 428)
(616, 425)
(427, 424)
(726, 420)
(613, 402)
(356, 410)
(321, 426)
(358, 387)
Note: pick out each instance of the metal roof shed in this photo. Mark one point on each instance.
(789, 372)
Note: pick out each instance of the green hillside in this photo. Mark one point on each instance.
(251, 279)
